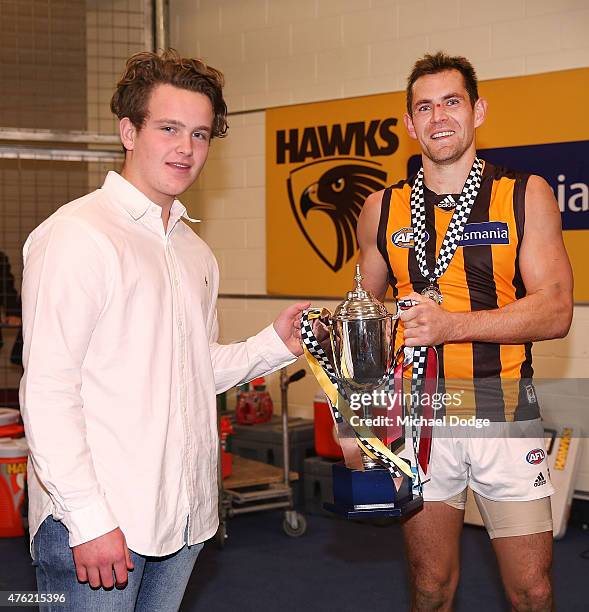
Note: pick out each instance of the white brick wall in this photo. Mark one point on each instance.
(276, 52)
(229, 198)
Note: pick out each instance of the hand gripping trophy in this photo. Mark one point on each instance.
(358, 360)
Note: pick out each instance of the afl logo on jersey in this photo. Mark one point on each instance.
(404, 238)
(535, 456)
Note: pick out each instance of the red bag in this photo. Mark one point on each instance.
(254, 406)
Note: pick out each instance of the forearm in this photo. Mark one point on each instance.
(259, 355)
(540, 316)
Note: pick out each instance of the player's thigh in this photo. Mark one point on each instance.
(515, 518)
(432, 540)
(525, 561)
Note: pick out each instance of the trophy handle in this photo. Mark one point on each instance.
(395, 315)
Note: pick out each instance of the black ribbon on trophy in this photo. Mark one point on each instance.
(359, 359)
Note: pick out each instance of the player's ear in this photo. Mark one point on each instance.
(409, 125)
(480, 111)
(127, 133)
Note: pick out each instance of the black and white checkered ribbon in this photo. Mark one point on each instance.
(417, 384)
(418, 376)
(314, 347)
(455, 229)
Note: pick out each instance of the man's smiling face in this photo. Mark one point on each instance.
(166, 155)
(443, 118)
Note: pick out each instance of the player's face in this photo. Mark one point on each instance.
(167, 154)
(444, 120)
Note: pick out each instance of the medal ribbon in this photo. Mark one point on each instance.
(424, 383)
(455, 229)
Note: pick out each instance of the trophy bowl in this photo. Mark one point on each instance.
(362, 339)
(362, 352)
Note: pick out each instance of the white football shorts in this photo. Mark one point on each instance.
(501, 461)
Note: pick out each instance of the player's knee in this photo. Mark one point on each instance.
(432, 597)
(535, 597)
(435, 592)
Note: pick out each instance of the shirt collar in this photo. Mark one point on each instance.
(179, 210)
(136, 203)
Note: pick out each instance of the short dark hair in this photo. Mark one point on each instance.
(440, 62)
(145, 70)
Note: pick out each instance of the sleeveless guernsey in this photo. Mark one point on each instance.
(494, 381)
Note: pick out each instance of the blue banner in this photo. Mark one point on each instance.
(565, 165)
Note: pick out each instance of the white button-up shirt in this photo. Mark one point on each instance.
(121, 370)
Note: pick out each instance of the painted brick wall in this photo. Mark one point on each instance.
(276, 52)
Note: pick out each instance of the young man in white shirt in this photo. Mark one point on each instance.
(122, 362)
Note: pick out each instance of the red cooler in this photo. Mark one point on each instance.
(13, 474)
(326, 443)
(10, 426)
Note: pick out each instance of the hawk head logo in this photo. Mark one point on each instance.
(326, 198)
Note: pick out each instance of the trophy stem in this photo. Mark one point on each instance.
(367, 462)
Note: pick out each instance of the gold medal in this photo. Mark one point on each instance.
(433, 293)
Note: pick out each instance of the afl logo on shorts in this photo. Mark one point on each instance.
(404, 238)
(535, 456)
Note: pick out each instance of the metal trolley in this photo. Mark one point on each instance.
(255, 486)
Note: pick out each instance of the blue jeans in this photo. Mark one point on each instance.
(156, 584)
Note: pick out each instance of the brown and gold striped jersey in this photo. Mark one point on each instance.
(494, 379)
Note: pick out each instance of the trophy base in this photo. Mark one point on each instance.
(371, 494)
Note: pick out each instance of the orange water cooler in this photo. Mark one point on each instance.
(326, 443)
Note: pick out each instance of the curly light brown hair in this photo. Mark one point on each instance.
(440, 62)
(146, 70)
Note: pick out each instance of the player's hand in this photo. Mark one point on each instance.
(288, 327)
(426, 323)
(97, 559)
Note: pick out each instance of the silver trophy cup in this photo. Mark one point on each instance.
(362, 345)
